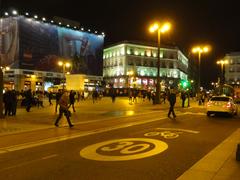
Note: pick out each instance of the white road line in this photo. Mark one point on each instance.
(28, 162)
(82, 134)
(182, 130)
(49, 157)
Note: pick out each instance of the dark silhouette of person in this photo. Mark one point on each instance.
(172, 101)
(183, 97)
(72, 100)
(13, 102)
(50, 96)
(28, 99)
(63, 109)
(7, 102)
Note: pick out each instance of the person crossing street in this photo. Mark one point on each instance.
(63, 109)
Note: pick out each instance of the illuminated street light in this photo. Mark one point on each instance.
(160, 28)
(222, 63)
(14, 12)
(200, 50)
(64, 65)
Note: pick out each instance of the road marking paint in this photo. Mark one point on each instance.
(181, 130)
(82, 134)
(28, 162)
(50, 156)
(123, 149)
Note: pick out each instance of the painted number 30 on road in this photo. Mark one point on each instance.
(123, 149)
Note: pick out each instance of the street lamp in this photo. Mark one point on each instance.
(222, 63)
(160, 28)
(200, 50)
(64, 65)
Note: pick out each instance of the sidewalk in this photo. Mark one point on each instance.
(219, 164)
(86, 111)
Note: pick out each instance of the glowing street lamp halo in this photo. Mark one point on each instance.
(67, 64)
(160, 27)
(60, 63)
(201, 49)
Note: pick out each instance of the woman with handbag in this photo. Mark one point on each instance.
(63, 109)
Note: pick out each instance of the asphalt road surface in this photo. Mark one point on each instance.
(162, 149)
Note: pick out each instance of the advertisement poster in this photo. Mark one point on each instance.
(29, 44)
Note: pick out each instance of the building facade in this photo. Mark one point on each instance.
(232, 69)
(32, 47)
(134, 65)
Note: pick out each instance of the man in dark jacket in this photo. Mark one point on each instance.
(172, 101)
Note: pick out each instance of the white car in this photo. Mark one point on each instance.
(221, 104)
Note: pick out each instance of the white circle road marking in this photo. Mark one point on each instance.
(123, 149)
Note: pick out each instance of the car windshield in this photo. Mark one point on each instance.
(220, 99)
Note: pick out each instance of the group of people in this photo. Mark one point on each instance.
(10, 102)
(65, 100)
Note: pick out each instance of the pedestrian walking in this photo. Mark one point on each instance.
(172, 101)
(50, 96)
(7, 102)
(58, 96)
(113, 94)
(72, 100)
(14, 102)
(183, 97)
(28, 99)
(40, 99)
(63, 109)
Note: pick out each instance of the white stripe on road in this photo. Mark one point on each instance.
(182, 130)
(28, 162)
(66, 137)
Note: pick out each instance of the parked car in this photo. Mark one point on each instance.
(221, 104)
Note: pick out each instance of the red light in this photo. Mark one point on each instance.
(229, 105)
(209, 103)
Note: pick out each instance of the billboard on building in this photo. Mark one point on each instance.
(29, 44)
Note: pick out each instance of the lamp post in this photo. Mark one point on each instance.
(64, 65)
(222, 63)
(160, 28)
(200, 50)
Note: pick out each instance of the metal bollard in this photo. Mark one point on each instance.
(238, 152)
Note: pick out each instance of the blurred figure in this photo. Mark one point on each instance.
(172, 101)
(50, 97)
(7, 102)
(63, 109)
(58, 96)
(72, 100)
(28, 99)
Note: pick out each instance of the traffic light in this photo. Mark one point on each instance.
(185, 84)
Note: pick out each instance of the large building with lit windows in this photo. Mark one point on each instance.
(232, 69)
(134, 65)
(31, 46)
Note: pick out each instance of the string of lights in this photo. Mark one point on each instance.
(49, 21)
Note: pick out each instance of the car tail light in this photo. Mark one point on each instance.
(209, 103)
(229, 105)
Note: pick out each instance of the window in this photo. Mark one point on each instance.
(171, 65)
(145, 63)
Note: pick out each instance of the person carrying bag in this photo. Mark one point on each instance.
(63, 109)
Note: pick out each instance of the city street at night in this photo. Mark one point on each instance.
(145, 145)
(119, 90)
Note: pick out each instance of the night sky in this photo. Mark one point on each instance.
(214, 22)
